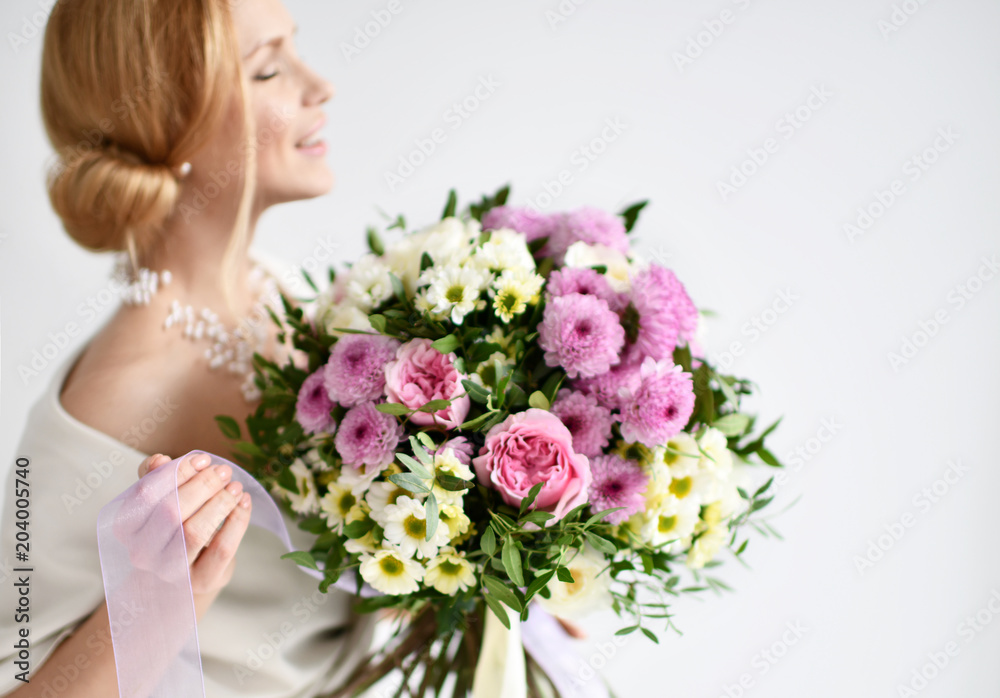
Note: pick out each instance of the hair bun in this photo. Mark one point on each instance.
(109, 199)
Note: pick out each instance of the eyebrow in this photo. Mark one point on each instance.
(275, 41)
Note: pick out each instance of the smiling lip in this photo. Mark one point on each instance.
(319, 144)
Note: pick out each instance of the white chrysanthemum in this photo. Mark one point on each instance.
(315, 461)
(454, 517)
(501, 335)
(336, 504)
(449, 572)
(366, 543)
(716, 462)
(345, 315)
(454, 291)
(506, 249)
(406, 528)
(706, 546)
(388, 571)
(445, 461)
(589, 591)
(680, 455)
(368, 283)
(671, 523)
(379, 496)
(358, 480)
(514, 291)
(307, 499)
(581, 254)
(449, 242)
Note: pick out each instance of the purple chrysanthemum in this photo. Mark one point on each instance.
(661, 406)
(662, 312)
(592, 226)
(532, 223)
(587, 420)
(581, 334)
(617, 483)
(368, 437)
(460, 446)
(355, 372)
(589, 282)
(312, 408)
(608, 387)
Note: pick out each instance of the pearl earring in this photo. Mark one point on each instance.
(183, 170)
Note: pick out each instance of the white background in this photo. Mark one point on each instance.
(686, 126)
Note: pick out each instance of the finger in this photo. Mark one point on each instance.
(216, 557)
(151, 462)
(572, 629)
(203, 524)
(203, 486)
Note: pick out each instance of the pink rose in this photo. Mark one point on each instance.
(531, 447)
(419, 374)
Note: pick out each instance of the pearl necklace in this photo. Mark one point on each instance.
(231, 349)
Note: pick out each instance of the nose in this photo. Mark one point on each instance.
(318, 90)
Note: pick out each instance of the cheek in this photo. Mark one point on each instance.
(275, 139)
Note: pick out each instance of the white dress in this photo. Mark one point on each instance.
(269, 634)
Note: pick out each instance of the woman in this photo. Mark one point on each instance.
(177, 124)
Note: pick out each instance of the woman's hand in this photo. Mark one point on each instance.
(208, 499)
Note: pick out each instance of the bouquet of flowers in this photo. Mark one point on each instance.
(501, 416)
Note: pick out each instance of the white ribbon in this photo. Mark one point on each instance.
(501, 672)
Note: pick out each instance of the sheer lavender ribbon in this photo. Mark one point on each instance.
(147, 585)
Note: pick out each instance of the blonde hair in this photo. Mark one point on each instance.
(130, 89)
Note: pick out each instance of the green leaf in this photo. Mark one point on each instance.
(409, 482)
(564, 575)
(512, 561)
(433, 516)
(422, 455)
(434, 406)
(627, 631)
(631, 214)
(427, 441)
(228, 425)
(502, 592)
(399, 290)
(498, 610)
(538, 517)
(601, 514)
(474, 424)
(377, 322)
(538, 399)
(538, 583)
(375, 243)
(477, 392)
(489, 542)
(414, 467)
(425, 261)
(529, 499)
(358, 529)
(301, 557)
(446, 344)
(650, 634)
(392, 408)
(452, 483)
(732, 424)
(552, 385)
(602, 545)
(449, 208)
(768, 457)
